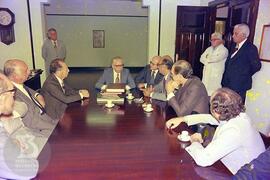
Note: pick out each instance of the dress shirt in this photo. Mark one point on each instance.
(235, 142)
(238, 47)
(54, 43)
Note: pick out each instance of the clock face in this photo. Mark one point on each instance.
(5, 18)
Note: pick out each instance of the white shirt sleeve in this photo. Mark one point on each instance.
(169, 96)
(200, 118)
(223, 144)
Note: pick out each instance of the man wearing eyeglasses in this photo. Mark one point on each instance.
(213, 59)
(11, 166)
(150, 74)
(116, 74)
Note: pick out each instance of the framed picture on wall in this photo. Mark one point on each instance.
(265, 44)
(98, 39)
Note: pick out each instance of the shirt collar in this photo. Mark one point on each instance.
(241, 43)
(59, 80)
(19, 86)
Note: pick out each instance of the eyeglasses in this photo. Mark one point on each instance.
(8, 91)
(153, 63)
(212, 40)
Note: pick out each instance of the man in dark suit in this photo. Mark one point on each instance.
(115, 74)
(57, 93)
(158, 92)
(36, 118)
(150, 74)
(191, 96)
(242, 62)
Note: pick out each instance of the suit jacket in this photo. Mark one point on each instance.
(107, 78)
(240, 68)
(55, 98)
(50, 53)
(190, 97)
(160, 89)
(214, 63)
(144, 76)
(34, 119)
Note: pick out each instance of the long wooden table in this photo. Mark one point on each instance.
(93, 142)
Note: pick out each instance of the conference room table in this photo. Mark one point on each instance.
(123, 142)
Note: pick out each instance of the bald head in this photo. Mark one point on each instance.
(16, 70)
(6, 95)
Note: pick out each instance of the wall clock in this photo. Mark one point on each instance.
(7, 20)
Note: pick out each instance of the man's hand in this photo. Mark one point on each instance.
(174, 122)
(148, 91)
(85, 93)
(197, 137)
(170, 86)
(141, 86)
(41, 100)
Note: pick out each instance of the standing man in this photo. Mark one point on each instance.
(116, 74)
(242, 62)
(52, 49)
(213, 59)
(57, 93)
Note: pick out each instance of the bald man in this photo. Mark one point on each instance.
(36, 118)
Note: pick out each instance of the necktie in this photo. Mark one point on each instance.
(152, 81)
(117, 79)
(35, 100)
(63, 87)
(55, 45)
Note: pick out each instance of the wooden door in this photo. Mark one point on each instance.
(192, 34)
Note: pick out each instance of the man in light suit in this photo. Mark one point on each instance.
(213, 59)
(242, 63)
(36, 118)
(158, 92)
(52, 49)
(115, 74)
(57, 93)
(10, 152)
(191, 96)
(150, 74)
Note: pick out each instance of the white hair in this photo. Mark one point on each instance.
(243, 29)
(217, 35)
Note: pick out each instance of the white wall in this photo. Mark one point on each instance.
(124, 22)
(21, 49)
(258, 98)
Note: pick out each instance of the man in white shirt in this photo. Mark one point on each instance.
(12, 165)
(213, 59)
(235, 141)
(57, 93)
(116, 74)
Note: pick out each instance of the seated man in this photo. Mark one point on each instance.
(190, 96)
(235, 142)
(36, 119)
(159, 90)
(258, 168)
(14, 164)
(149, 75)
(57, 93)
(115, 74)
